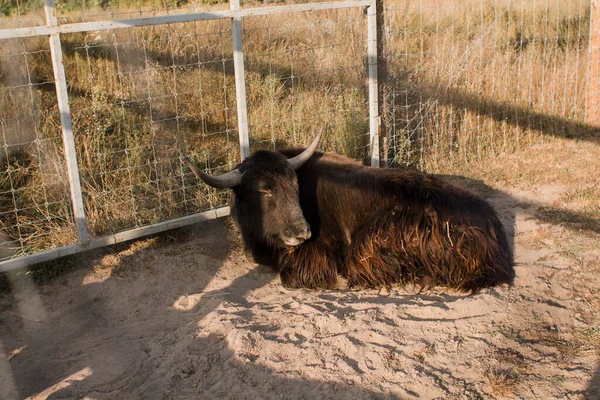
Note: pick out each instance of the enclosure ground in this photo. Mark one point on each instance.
(183, 315)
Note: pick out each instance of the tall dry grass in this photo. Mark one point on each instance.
(475, 79)
(466, 81)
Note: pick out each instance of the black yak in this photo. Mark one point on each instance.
(317, 216)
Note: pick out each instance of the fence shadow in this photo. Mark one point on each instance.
(525, 118)
(421, 125)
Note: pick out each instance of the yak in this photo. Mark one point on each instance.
(316, 217)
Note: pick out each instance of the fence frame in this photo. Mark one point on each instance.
(53, 30)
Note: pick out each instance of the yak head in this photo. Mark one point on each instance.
(265, 201)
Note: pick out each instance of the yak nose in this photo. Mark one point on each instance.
(304, 234)
(297, 235)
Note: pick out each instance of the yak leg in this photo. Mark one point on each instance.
(400, 246)
(309, 265)
(384, 251)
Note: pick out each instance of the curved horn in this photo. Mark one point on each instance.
(224, 181)
(300, 159)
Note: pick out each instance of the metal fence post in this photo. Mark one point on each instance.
(373, 92)
(240, 81)
(592, 101)
(67, 127)
(382, 84)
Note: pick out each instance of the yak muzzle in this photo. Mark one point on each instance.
(296, 234)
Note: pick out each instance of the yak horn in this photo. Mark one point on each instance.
(224, 181)
(300, 159)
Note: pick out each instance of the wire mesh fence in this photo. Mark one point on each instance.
(470, 79)
(140, 97)
(69, 11)
(304, 71)
(464, 81)
(34, 193)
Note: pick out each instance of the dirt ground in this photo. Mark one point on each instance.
(184, 316)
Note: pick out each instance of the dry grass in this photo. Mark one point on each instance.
(468, 82)
(568, 345)
(484, 78)
(502, 381)
(511, 357)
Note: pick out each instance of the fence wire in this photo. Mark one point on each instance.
(140, 98)
(69, 11)
(470, 79)
(34, 193)
(305, 71)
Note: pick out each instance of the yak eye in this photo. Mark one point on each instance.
(265, 193)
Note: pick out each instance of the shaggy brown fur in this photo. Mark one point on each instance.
(378, 227)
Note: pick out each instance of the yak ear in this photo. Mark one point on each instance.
(300, 159)
(224, 181)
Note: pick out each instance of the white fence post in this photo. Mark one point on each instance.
(373, 94)
(67, 127)
(240, 81)
(592, 101)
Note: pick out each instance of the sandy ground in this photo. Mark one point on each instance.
(185, 316)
